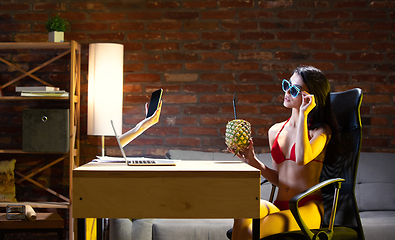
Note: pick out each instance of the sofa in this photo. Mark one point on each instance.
(375, 195)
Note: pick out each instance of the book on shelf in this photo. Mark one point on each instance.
(60, 93)
(36, 88)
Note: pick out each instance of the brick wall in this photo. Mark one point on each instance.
(200, 52)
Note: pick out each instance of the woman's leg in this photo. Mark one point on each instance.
(242, 228)
(283, 221)
(276, 221)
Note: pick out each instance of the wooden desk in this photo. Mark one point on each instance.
(191, 189)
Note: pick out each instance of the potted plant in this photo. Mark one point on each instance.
(56, 27)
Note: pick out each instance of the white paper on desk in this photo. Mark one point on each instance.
(106, 159)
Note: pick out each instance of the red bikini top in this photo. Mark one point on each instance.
(277, 153)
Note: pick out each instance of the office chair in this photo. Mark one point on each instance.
(341, 217)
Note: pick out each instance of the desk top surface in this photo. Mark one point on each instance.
(181, 169)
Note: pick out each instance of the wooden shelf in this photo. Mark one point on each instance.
(62, 205)
(12, 98)
(35, 45)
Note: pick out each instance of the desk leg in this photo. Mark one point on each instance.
(81, 229)
(256, 229)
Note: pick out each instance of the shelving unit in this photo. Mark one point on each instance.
(74, 50)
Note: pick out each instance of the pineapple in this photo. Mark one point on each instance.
(238, 135)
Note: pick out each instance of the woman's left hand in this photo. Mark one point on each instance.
(308, 103)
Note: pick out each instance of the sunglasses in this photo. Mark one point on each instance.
(294, 90)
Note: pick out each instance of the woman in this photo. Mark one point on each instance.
(298, 147)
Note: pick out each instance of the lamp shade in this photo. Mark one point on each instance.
(105, 88)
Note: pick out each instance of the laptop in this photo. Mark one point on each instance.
(140, 161)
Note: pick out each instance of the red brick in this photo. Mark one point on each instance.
(384, 88)
(133, 67)
(158, 4)
(293, 14)
(382, 4)
(88, 6)
(332, 15)
(201, 110)
(132, 46)
(107, 16)
(199, 131)
(200, 4)
(49, 6)
(384, 26)
(181, 36)
(280, 67)
(255, 14)
(162, 131)
(166, 88)
(329, 56)
(183, 141)
(369, 78)
(378, 109)
(184, 99)
(384, 67)
(72, 16)
(354, 66)
(218, 56)
(367, 56)
(390, 56)
(142, 99)
(142, 57)
(31, 37)
(14, 27)
(275, 45)
(193, 25)
(236, 3)
(107, 36)
(181, 15)
(315, 45)
(317, 25)
(132, 88)
(201, 46)
(200, 88)
(352, 4)
(323, 66)
(14, 6)
(332, 35)
(238, 46)
(164, 26)
(176, 56)
(256, 35)
(313, 4)
(338, 77)
(144, 35)
(378, 131)
(165, 67)
(216, 98)
(246, 66)
(293, 35)
(256, 56)
(145, 15)
(275, 4)
(376, 98)
(78, 36)
(142, 78)
(29, 57)
(126, 26)
(354, 25)
(241, 109)
(240, 25)
(89, 26)
(369, 14)
(374, 142)
(255, 77)
(217, 36)
(161, 46)
(241, 88)
(203, 66)
(218, 14)
(291, 55)
(255, 98)
(186, 121)
(214, 121)
(31, 16)
(217, 77)
(370, 36)
(274, 109)
(352, 46)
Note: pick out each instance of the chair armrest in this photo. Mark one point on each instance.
(293, 204)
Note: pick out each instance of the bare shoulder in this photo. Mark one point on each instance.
(273, 130)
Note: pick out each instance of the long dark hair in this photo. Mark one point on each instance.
(318, 85)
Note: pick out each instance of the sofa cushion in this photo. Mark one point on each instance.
(375, 185)
(191, 229)
(378, 224)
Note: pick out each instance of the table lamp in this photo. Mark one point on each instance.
(105, 89)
